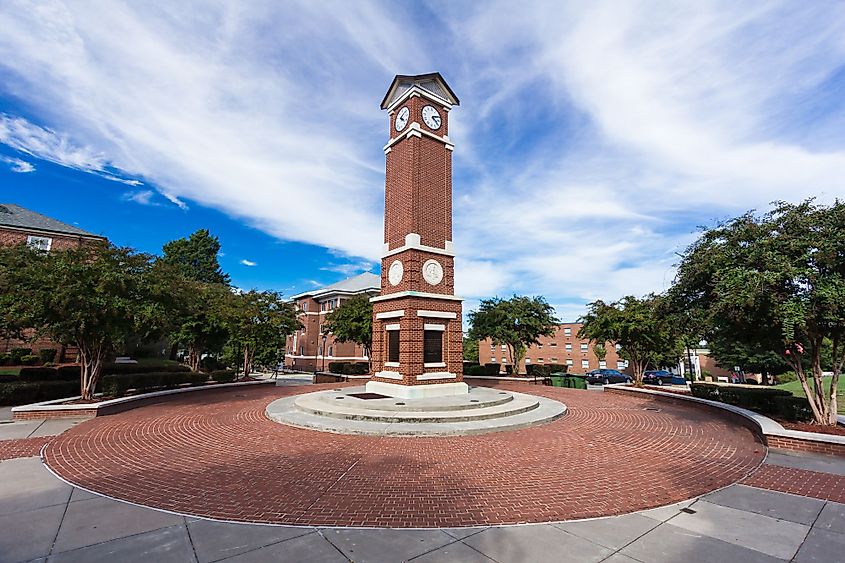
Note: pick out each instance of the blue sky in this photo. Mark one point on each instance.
(592, 138)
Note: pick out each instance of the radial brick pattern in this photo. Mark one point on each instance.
(799, 482)
(216, 455)
(25, 447)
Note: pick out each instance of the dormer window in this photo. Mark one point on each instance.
(39, 243)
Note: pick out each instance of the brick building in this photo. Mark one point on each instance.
(24, 226)
(304, 350)
(564, 348)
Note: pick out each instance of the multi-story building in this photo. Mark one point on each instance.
(311, 348)
(24, 226)
(563, 348)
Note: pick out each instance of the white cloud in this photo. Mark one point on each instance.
(591, 140)
(142, 197)
(350, 268)
(249, 263)
(18, 165)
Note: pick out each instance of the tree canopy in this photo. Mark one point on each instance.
(776, 282)
(352, 322)
(90, 297)
(259, 322)
(195, 257)
(644, 335)
(517, 322)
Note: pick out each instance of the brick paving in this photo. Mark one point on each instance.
(218, 456)
(25, 447)
(802, 482)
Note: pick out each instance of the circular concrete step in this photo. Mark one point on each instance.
(444, 416)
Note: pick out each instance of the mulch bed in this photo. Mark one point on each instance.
(817, 428)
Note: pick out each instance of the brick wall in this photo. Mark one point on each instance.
(11, 237)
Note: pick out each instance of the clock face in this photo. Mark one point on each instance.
(431, 117)
(395, 272)
(402, 118)
(432, 272)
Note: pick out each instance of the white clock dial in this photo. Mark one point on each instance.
(431, 117)
(395, 272)
(432, 272)
(402, 118)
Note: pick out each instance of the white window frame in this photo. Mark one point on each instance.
(34, 241)
(585, 364)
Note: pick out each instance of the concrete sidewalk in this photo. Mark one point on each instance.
(45, 519)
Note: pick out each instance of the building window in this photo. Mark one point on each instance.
(568, 347)
(527, 360)
(393, 346)
(504, 360)
(621, 364)
(553, 344)
(602, 364)
(302, 350)
(539, 345)
(618, 347)
(585, 364)
(304, 306)
(493, 360)
(39, 243)
(569, 361)
(554, 360)
(567, 332)
(584, 347)
(331, 348)
(540, 360)
(504, 346)
(432, 346)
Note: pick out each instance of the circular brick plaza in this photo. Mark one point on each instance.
(215, 454)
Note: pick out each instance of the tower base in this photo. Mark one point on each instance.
(417, 391)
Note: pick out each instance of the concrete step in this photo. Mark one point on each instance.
(318, 404)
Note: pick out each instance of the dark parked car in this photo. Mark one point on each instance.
(662, 377)
(606, 376)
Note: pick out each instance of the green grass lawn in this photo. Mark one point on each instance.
(155, 362)
(798, 391)
(10, 371)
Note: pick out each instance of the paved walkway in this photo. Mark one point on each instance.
(44, 518)
(217, 455)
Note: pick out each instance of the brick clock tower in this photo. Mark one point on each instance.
(417, 336)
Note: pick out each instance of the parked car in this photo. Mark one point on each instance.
(662, 377)
(607, 376)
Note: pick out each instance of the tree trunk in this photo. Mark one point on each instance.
(92, 358)
(247, 358)
(194, 353)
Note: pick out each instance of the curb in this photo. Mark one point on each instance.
(54, 408)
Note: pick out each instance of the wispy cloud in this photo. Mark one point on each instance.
(18, 165)
(142, 197)
(349, 268)
(249, 263)
(591, 140)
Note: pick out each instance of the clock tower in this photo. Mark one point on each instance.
(417, 335)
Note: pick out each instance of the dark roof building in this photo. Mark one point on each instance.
(19, 225)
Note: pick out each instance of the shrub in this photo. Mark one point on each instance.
(22, 393)
(37, 374)
(558, 368)
(794, 409)
(29, 360)
(68, 373)
(508, 370)
(5, 359)
(18, 353)
(482, 370)
(211, 364)
(223, 375)
(47, 355)
(758, 399)
(709, 391)
(349, 368)
(786, 377)
(536, 370)
(119, 369)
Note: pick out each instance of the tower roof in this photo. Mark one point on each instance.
(432, 83)
(361, 283)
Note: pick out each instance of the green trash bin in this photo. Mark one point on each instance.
(557, 381)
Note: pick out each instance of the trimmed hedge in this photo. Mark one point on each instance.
(47, 355)
(29, 360)
(120, 369)
(68, 373)
(349, 368)
(223, 375)
(37, 374)
(22, 393)
(538, 370)
(486, 369)
(18, 353)
(765, 400)
(115, 385)
(5, 359)
(794, 409)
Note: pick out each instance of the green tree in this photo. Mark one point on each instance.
(600, 350)
(729, 351)
(517, 322)
(645, 337)
(199, 316)
(195, 257)
(352, 322)
(776, 282)
(471, 350)
(259, 322)
(90, 297)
